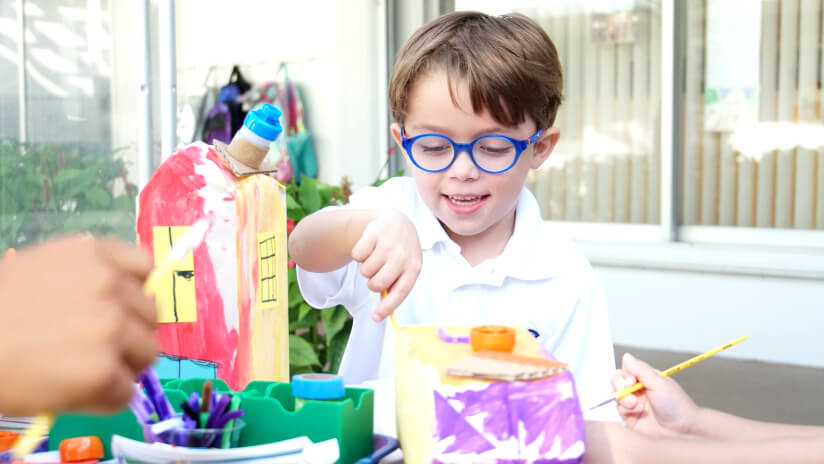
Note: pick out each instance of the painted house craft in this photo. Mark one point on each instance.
(223, 312)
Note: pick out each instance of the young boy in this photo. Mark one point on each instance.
(462, 242)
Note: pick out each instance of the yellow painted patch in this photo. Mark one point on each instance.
(175, 295)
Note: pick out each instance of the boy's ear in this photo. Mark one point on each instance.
(395, 128)
(544, 146)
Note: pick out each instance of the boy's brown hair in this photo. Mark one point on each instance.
(509, 64)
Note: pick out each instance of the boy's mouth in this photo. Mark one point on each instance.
(465, 204)
(466, 200)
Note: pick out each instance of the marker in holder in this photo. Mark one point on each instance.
(316, 387)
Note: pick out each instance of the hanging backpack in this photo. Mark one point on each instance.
(226, 117)
(218, 125)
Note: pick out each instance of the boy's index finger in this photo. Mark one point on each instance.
(390, 300)
(392, 297)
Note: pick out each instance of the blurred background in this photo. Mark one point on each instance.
(690, 168)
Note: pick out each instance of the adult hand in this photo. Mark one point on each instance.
(77, 326)
(661, 409)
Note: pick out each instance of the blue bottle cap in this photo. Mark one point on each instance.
(264, 122)
(318, 386)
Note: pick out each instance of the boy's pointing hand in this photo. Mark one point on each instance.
(390, 255)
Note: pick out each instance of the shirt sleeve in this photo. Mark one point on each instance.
(325, 289)
(586, 346)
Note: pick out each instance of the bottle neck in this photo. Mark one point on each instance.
(241, 149)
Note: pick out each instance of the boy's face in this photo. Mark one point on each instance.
(468, 201)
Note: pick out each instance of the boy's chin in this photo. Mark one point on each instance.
(460, 229)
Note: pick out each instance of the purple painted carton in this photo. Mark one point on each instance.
(442, 418)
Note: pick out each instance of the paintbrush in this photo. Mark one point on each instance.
(672, 370)
(187, 242)
(391, 316)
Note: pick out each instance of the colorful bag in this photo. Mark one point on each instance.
(298, 139)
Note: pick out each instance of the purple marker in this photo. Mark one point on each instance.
(226, 418)
(138, 405)
(217, 410)
(194, 401)
(148, 378)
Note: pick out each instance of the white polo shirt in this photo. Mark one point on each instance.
(541, 282)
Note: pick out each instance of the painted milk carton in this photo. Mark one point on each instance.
(223, 312)
(456, 405)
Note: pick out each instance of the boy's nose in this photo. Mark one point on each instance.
(464, 167)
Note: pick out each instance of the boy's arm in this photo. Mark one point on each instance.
(613, 444)
(323, 241)
(383, 241)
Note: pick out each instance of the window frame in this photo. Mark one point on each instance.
(670, 245)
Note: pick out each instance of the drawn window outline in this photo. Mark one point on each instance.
(267, 269)
(175, 298)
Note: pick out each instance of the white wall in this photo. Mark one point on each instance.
(332, 47)
(332, 50)
(694, 312)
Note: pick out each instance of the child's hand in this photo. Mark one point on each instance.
(77, 327)
(390, 255)
(661, 409)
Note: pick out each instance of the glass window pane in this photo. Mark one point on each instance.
(70, 174)
(753, 132)
(606, 166)
(9, 33)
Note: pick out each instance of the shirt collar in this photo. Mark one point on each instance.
(430, 230)
(530, 254)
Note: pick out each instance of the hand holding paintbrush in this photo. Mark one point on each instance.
(68, 304)
(109, 293)
(636, 386)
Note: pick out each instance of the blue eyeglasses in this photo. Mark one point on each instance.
(492, 154)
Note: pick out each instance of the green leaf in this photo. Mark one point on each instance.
(306, 318)
(295, 297)
(310, 196)
(334, 352)
(98, 197)
(305, 309)
(295, 214)
(8, 204)
(66, 175)
(124, 203)
(333, 321)
(301, 352)
(293, 369)
(291, 203)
